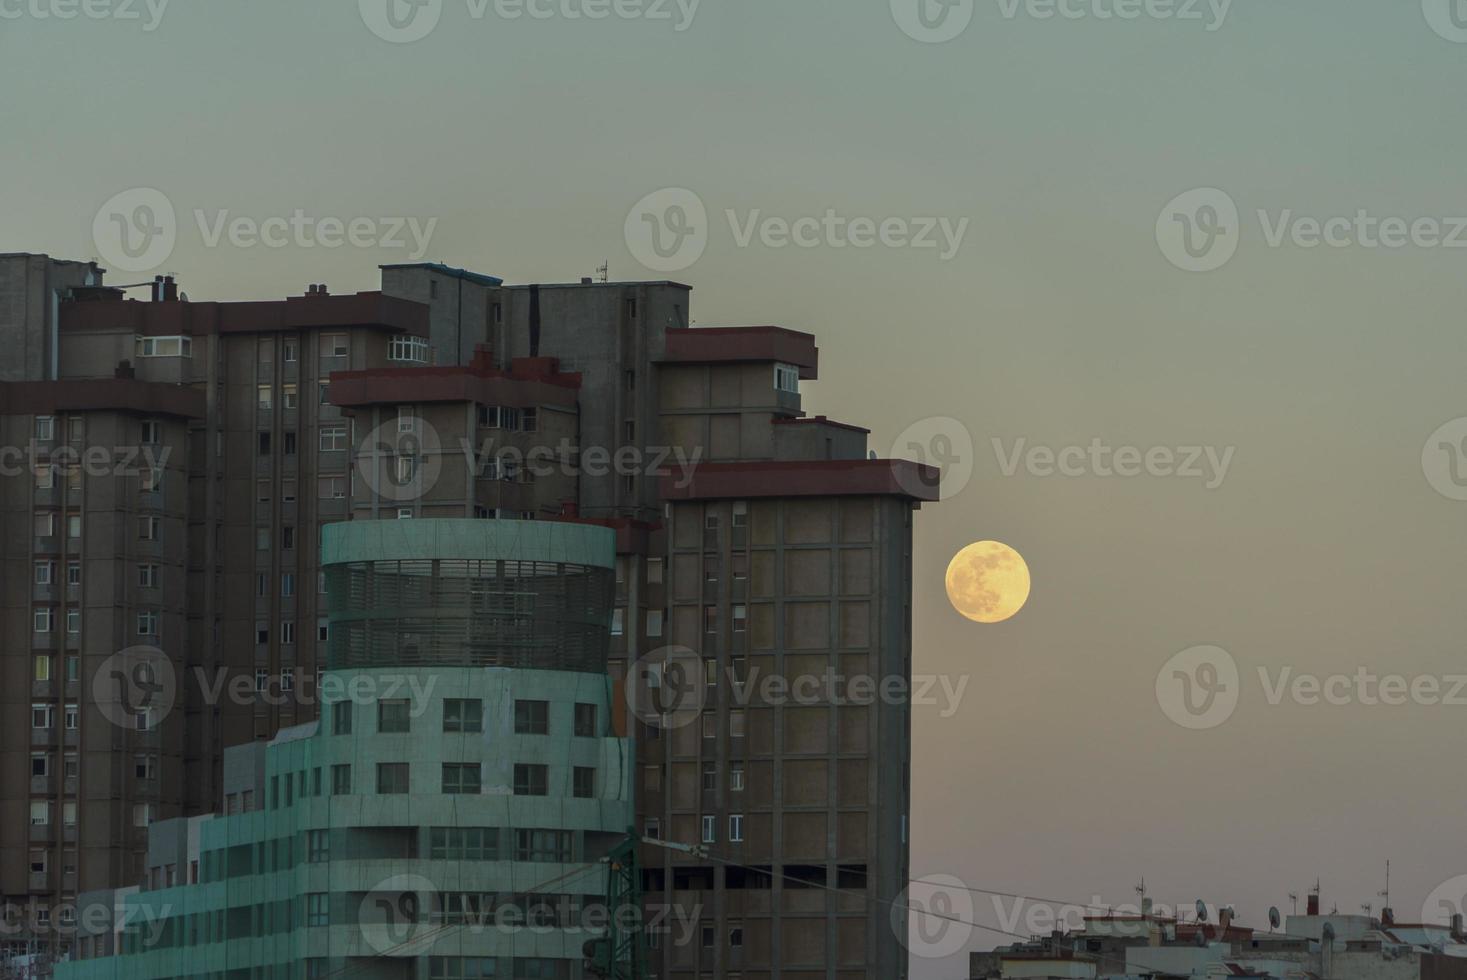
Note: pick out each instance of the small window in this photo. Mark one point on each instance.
(710, 830)
(45, 428)
(532, 717)
(583, 783)
(787, 378)
(341, 780)
(463, 715)
(392, 778)
(461, 778)
(341, 718)
(736, 827)
(531, 780)
(394, 716)
(73, 573)
(585, 720)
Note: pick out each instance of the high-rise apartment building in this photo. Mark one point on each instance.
(755, 540)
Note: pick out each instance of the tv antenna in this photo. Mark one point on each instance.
(604, 270)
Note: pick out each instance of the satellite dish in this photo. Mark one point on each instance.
(1273, 917)
(1201, 910)
(1329, 932)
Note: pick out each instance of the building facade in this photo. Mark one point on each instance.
(766, 542)
(447, 816)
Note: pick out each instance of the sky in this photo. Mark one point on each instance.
(1106, 280)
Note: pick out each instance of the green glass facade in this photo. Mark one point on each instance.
(447, 816)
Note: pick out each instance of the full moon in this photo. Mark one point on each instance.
(988, 582)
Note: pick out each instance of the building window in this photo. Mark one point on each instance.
(583, 782)
(288, 398)
(736, 778)
(71, 716)
(736, 723)
(45, 428)
(585, 720)
(73, 621)
(287, 631)
(290, 349)
(164, 347)
(407, 348)
(461, 778)
(652, 827)
(331, 488)
(531, 780)
(318, 909)
(40, 813)
(332, 438)
(73, 526)
(463, 715)
(44, 572)
(532, 717)
(543, 845)
(787, 378)
(145, 766)
(148, 528)
(392, 778)
(45, 619)
(264, 397)
(45, 525)
(463, 843)
(40, 764)
(45, 476)
(287, 584)
(736, 828)
(618, 622)
(341, 780)
(394, 716)
(318, 846)
(147, 576)
(148, 623)
(654, 622)
(73, 667)
(142, 814)
(333, 345)
(341, 718)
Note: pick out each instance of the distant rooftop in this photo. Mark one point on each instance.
(465, 274)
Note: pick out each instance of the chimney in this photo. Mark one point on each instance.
(1313, 907)
(1457, 927)
(157, 294)
(170, 290)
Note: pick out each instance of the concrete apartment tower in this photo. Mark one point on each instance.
(750, 538)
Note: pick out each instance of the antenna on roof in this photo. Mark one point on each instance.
(604, 270)
(1141, 888)
(1387, 893)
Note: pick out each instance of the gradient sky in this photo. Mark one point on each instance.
(1059, 321)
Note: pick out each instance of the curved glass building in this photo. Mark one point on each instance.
(447, 817)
